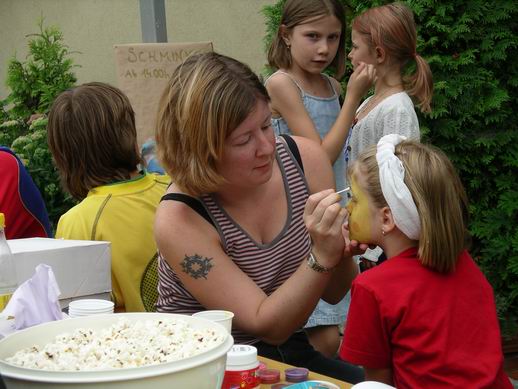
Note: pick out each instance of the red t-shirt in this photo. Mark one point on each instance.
(433, 330)
(20, 200)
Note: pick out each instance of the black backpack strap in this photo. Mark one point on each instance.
(192, 202)
(292, 145)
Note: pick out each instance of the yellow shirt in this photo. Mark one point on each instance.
(123, 214)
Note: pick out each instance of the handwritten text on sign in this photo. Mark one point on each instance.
(143, 70)
(151, 57)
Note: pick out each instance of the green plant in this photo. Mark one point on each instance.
(34, 83)
(472, 47)
(46, 72)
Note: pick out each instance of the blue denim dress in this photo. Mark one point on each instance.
(323, 111)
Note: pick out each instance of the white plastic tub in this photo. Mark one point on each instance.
(201, 371)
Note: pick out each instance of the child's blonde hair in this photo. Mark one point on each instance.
(209, 96)
(438, 194)
(392, 28)
(296, 12)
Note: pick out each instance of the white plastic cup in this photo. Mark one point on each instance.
(222, 317)
(372, 385)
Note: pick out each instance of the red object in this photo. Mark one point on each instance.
(243, 379)
(434, 330)
(269, 376)
(20, 200)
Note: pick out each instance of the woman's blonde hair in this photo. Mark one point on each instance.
(209, 96)
(392, 28)
(438, 194)
(296, 12)
(92, 137)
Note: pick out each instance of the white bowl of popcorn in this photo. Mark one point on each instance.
(124, 350)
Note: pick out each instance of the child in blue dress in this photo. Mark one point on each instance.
(305, 102)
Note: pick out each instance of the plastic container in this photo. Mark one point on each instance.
(311, 385)
(242, 368)
(202, 371)
(7, 270)
(296, 374)
(269, 376)
(87, 307)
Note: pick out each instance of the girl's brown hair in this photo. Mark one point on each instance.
(297, 12)
(438, 194)
(392, 28)
(209, 96)
(92, 137)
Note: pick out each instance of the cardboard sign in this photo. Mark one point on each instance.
(143, 70)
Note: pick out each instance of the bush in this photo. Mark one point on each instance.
(34, 83)
(472, 47)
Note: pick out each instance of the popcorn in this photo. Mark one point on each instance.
(125, 344)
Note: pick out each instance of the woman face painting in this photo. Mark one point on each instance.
(360, 214)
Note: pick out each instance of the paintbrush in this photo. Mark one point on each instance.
(343, 190)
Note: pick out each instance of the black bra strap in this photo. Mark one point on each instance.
(192, 202)
(292, 145)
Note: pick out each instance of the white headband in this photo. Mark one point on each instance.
(395, 191)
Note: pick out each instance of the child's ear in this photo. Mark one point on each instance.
(388, 223)
(284, 32)
(380, 54)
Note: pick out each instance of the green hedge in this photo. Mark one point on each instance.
(472, 48)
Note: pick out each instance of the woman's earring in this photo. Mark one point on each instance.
(382, 232)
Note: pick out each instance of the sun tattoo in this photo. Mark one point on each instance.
(196, 266)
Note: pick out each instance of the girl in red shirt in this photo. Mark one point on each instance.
(425, 318)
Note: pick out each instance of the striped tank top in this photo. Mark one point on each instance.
(268, 265)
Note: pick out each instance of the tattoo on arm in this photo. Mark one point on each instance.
(196, 266)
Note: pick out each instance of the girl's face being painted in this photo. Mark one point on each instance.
(360, 214)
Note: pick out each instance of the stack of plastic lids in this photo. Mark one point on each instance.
(87, 307)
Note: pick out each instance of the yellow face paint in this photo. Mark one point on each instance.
(359, 215)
